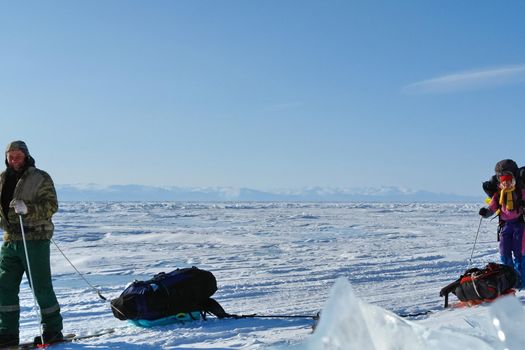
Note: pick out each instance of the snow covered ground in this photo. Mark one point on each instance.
(279, 258)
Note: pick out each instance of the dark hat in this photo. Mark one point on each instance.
(20, 145)
(506, 166)
(17, 145)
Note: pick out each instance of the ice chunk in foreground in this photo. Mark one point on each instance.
(508, 319)
(348, 323)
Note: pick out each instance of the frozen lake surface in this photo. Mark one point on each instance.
(268, 258)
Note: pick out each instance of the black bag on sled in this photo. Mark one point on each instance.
(167, 294)
(482, 284)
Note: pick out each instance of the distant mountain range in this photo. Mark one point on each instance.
(93, 192)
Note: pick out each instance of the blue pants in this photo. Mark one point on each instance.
(511, 247)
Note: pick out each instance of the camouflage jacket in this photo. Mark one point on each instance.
(37, 190)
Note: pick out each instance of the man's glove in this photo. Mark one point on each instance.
(19, 206)
(485, 212)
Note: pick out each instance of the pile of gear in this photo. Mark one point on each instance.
(179, 295)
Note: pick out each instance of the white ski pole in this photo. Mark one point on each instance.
(472, 253)
(38, 311)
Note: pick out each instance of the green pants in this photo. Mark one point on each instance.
(13, 264)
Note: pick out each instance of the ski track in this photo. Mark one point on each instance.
(268, 258)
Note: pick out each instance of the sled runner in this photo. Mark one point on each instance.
(477, 286)
(68, 338)
(180, 318)
(470, 303)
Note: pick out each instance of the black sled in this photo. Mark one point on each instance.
(167, 294)
(482, 285)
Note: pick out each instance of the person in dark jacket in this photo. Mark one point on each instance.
(27, 192)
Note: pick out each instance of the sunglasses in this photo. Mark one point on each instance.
(504, 178)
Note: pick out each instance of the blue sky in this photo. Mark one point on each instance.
(265, 94)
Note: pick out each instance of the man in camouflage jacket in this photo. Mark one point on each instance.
(29, 192)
